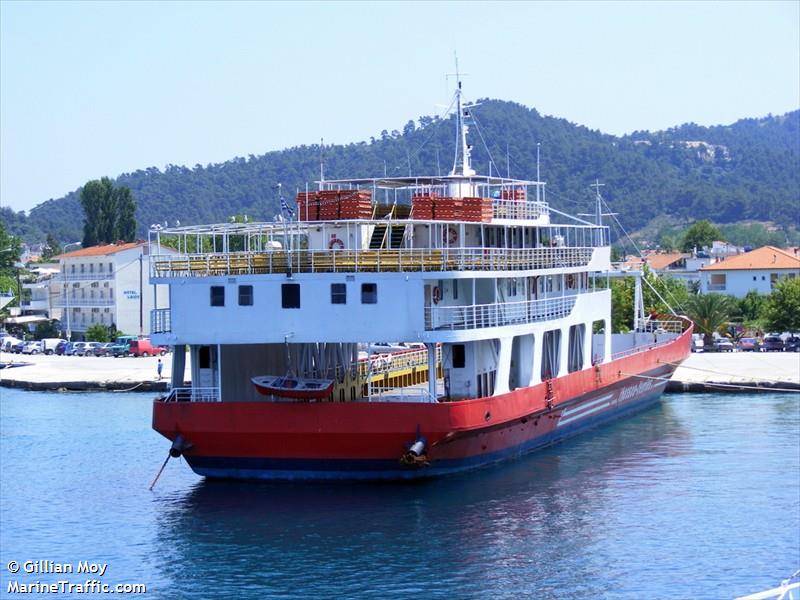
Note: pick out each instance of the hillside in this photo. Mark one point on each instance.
(747, 170)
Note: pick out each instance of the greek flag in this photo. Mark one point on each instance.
(286, 207)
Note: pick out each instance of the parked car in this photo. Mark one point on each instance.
(32, 348)
(723, 345)
(103, 349)
(9, 342)
(748, 344)
(49, 344)
(792, 344)
(145, 348)
(87, 349)
(772, 343)
(60, 347)
(121, 346)
(16, 348)
(74, 348)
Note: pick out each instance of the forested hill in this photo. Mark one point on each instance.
(747, 170)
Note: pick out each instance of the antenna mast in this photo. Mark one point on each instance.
(321, 164)
(461, 165)
(599, 214)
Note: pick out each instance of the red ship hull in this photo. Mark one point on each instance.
(360, 440)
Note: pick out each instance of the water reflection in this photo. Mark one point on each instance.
(500, 528)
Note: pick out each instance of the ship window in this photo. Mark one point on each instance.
(455, 289)
(338, 293)
(576, 337)
(245, 295)
(459, 356)
(290, 295)
(369, 293)
(217, 295)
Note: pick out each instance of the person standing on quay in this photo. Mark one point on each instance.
(159, 368)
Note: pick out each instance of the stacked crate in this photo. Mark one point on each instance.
(422, 206)
(448, 209)
(330, 205)
(355, 204)
(477, 210)
(307, 206)
(438, 208)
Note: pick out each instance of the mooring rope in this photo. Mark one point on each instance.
(740, 386)
(130, 389)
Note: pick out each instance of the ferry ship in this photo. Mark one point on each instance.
(502, 302)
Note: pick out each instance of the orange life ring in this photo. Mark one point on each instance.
(437, 294)
(450, 235)
(336, 244)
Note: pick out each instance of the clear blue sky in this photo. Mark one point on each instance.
(93, 89)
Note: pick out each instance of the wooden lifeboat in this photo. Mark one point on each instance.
(293, 387)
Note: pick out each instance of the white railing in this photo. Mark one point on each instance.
(199, 394)
(517, 209)
(63, 302)
(660, 326)
(160, 320)
(498, 314)
(349, 261)
(401, 394)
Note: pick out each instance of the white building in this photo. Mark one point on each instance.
(107, 284)
(758, 270)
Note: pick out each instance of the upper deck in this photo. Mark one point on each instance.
(369, 245)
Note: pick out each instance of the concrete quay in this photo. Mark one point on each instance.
(726, 371)
(712, 372)
(85, 373)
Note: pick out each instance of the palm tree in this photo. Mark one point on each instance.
(710, 313)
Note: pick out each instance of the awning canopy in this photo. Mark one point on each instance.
(25, 319)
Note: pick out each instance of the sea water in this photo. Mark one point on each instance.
(698, 497)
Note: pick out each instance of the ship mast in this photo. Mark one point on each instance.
(461, 164)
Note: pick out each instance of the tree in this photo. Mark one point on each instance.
(51, 248)
(109, 213)
(751, 306)
(701, 233)
(97, 333)
(781, 311)
(47, 329)
(10, 249)
(710, 313)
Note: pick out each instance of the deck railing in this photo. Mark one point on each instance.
(478, 316)
(199, 394)
(350, 261)
(516, 209)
